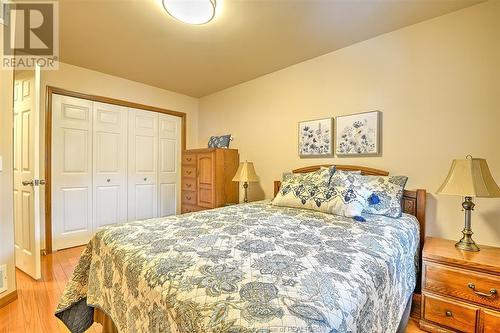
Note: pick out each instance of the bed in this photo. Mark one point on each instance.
(251, 268)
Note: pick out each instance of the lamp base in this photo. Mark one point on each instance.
(466, 243)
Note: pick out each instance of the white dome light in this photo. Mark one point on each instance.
(191, 11)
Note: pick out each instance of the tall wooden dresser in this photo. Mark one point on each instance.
(460, 289)
(207, 178)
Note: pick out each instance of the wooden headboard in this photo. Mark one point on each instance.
(413, 200)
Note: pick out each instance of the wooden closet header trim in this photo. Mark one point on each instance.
(48, 140)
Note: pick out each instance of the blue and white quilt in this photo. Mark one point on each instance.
(252, 268)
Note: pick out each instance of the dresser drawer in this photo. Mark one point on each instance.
(189, 209)
(189, 184)
(189, 159)
(491, 320)
(462, 284)
(188, 171)
(188, 197)
(451, 314)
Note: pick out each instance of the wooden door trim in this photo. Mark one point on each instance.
(48, 141)
(8, 298)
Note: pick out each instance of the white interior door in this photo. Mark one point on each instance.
(110, 164)
(26, 172)
(71, 171)
(168, 166)
(143, 165)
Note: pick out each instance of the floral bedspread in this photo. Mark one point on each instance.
(251, 268)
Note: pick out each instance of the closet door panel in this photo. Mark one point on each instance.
(110, 164)
(143, 165)
(71, 171)
(169, 162)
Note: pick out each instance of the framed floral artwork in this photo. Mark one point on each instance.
(316, 138)
(358, 134)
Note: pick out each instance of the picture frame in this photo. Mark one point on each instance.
(358, 134)
(315, 138)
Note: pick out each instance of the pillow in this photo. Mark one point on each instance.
(386, 193)
(339, 178)
(318, 177)
(336, 200)
(219, 141)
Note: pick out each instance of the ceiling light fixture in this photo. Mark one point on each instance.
(191, 11)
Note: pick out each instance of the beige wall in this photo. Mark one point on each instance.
(91, 82)
(6, 176)
(437, 84)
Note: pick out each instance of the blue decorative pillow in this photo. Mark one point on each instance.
(386, 192)
(219, 141)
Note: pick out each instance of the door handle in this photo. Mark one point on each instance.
(28, 182)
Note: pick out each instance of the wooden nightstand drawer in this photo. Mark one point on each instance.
(491, 321)
(451, 314)
(466, 285)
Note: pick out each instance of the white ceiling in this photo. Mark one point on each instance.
(138, 40)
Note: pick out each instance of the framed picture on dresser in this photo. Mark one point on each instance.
(358, 134)
(316, 138)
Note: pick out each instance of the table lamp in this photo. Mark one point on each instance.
(246, 173)
(469, 178)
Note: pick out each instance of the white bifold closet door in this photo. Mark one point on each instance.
(169, 163)
(142, 165)
(110, 164)
(71, 171)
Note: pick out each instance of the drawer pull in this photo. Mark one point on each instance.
(188, 159)
(189, 198)
(188, 185)
(448, 313)
(492, 292)
(188, 172)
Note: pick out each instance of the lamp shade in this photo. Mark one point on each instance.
(246, 173)
(470, 177)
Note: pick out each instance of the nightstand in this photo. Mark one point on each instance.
(460, 289)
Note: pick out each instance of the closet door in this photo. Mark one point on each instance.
(169, 162)
(110, 164)
(71, 171)
(143, 165)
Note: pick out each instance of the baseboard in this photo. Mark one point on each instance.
(10, 297)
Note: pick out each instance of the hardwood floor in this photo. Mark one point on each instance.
(33, 311)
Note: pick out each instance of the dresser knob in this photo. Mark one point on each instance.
(188, 172)
(145, 179)
(188, 185)
(108, 180)
(189, 198)
(492, 292)
(449, 313)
